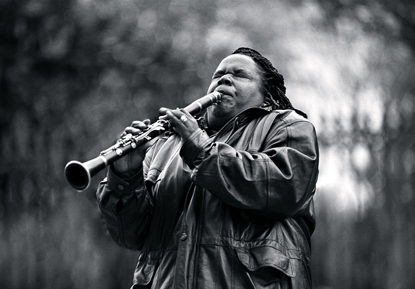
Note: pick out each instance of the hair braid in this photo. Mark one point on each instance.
(274, 88)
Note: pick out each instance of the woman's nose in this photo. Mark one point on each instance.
(225, 79)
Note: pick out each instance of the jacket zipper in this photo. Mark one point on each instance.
(199, 230)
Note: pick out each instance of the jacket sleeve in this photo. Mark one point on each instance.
(126, 207)
(275, 182)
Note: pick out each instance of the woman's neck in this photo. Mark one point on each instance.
(214, 123)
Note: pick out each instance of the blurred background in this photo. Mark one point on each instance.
(74, 73)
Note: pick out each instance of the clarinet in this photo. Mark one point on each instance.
(79, 174)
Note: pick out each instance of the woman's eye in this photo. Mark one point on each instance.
(239, 73)
(216, 76)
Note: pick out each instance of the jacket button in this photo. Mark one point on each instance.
(183, 237)
(121, 187)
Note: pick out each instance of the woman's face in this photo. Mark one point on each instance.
(239, 80)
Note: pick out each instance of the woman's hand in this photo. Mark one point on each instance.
(129, 165)
(182, 122)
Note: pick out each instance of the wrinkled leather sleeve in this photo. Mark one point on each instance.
(275, 182)
(126, 207)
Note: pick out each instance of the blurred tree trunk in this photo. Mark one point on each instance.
(383, 246)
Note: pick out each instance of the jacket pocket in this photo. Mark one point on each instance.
(266, 265)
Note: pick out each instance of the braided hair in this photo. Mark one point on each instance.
(273, 81)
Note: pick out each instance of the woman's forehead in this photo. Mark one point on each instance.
(238, 61)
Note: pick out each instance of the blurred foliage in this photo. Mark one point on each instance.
(74, 73)
(393, 20)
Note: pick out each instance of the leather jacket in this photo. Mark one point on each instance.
(229, 210)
